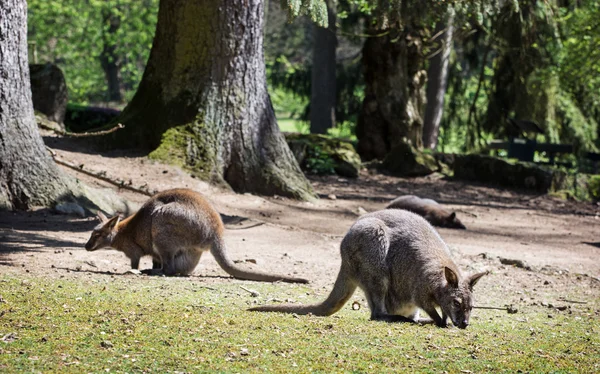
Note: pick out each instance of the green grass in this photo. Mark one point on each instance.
(133, 324)
(293, 125)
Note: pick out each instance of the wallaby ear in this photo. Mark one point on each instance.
(452, 216)
(451, 277)
(101, 217)
(473, 279)
(112, 222)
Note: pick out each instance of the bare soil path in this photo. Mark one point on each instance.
(559, 239)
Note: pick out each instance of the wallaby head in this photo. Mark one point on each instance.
(452, 222)
(456, 300)
(103, 234)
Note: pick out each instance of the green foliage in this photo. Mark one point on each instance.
(542, 67)
(319, 162)
(594, 187)
(315, 9)
(579, 68)
(73, 34)
(576, 127)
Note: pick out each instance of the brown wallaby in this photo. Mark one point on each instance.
(174, 227)
(428, 209)
(402, 265)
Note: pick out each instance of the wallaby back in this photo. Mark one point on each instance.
(402, 265)
(429, 209)
(174, 227)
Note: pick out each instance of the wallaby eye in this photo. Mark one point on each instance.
(457, 303)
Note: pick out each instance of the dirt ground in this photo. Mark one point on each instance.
(559, 239)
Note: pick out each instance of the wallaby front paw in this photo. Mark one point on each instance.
(152, 272)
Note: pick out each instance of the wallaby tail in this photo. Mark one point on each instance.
(219, 252)
(343, 289)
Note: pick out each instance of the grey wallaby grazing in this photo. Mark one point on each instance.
(402, 265)
(174, 227)
(428, 209)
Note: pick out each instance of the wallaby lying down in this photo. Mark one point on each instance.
(402, 265)
(174, 227)
(428, 209)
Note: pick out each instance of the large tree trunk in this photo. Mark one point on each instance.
(108, 57)
(437, 82)
(392, 110)
(323, 89)
(28, 175)
(203, 100)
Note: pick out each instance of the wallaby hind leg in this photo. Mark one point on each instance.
(185, 262)
(375, 288)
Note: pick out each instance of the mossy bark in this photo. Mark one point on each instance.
(392, 111)
(203, 101)
(28, 175)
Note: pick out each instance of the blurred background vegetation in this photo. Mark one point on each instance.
(532, 60)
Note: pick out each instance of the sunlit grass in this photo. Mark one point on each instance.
(132, 324)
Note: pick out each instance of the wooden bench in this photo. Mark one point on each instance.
(524, 149)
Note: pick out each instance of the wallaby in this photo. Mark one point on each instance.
(428, 209)
(174, 227)
(402, 265)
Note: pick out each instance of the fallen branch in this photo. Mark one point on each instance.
(509, 309)
(572, 301)
(98, 175)
(80, 134)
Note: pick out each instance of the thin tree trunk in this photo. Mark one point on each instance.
(323, 88)
(437, 82)
(203, 102)
(28, 175)
(392, 110)
(108, 57)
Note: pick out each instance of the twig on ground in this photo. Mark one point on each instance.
(99, 175)
(572, 301)
(252, 292)
(80, 134)
(509, 309)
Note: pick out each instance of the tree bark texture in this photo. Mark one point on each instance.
(392, 110)
(323, 88)
(28, 175)
(108, 57)
(437, 82)
(203, 101)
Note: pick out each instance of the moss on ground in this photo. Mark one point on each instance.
(321, 154)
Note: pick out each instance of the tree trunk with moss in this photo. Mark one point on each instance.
(203, 101)
(28, 175)
(394, 101)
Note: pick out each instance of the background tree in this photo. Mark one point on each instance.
(100, 45)
(323, 87)
(437, 79)
(392, 110)
(109, 58)
(28, 175)
(203, 100)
